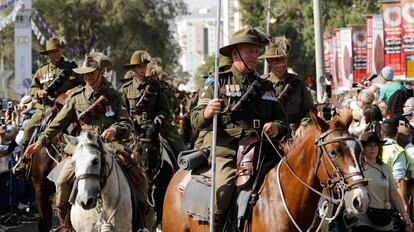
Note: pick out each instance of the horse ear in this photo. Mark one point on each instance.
(89, 135)
(72, 140)
(347, 119)
(319, 123)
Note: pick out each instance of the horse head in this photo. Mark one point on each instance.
(88, 161)
(148, 145)
(338, 162)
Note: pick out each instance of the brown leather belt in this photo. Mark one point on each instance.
(253, 124)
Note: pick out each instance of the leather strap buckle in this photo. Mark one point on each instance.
(256, 123)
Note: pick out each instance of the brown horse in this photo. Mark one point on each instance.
(40, 167)
(294, 186)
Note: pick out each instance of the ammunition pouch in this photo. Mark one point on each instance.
(247, 156)
(135, 172)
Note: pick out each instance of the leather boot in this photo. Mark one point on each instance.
(64, 218)
(218, 222)
(21, 170)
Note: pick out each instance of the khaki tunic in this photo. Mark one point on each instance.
(41, 80)
(157, 105)
(76, 103)
(298, 100)
(267, 109)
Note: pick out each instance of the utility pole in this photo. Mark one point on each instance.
(318, 47)
(269, 2)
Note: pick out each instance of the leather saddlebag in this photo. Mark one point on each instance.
(247, 155)
(134, 171)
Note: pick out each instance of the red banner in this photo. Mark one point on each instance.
(375, 44)
(328, 50)
(343, 58)
(407, 25)
(393, 53)
(359, 52)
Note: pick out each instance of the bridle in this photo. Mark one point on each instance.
(340, 177)
(105, 170)
(339, 181)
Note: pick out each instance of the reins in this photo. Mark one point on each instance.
(339, 181)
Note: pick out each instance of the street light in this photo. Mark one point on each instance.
(273, 20)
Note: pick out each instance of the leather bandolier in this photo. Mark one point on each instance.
(97, 108)
(138, 114)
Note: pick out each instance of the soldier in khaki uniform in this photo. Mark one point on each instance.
(114, 125)
(155, 71)
(224, 64)
(291, 89)
(261, 113)
(154, 107)
(58, 67)
(42, 79)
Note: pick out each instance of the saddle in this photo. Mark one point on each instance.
(250, 172)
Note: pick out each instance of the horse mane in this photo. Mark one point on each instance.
(289, 146)
(336, 122)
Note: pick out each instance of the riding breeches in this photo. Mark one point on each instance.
(225, 170)
(64, 183)
(174, 139)
(31, 126)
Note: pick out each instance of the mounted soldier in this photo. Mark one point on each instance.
(250, 106)
(291, 89)
(148, 107)
(50, 80)
(156, 72)
(99, 109)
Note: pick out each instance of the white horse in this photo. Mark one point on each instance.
(103, 200)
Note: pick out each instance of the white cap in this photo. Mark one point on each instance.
(388, 73)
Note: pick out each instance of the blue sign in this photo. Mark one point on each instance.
(27, 82)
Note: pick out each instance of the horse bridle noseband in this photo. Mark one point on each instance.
(340, 178)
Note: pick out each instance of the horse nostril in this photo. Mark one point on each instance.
(356, 203)
(89, 202)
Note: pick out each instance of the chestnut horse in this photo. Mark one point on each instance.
(289, 194)
(40, 166)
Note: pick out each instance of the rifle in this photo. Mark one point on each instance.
(146, 96)
(254, 92)
(63, 76)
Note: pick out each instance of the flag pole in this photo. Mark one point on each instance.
(214, 142)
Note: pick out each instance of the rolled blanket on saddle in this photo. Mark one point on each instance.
(193, 159)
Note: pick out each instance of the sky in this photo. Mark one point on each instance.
(200, 3)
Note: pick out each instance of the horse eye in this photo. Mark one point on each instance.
(332, 153)
(95, 161)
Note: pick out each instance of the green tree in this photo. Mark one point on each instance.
(121, 25)
(204, 70)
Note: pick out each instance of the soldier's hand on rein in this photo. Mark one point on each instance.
(33, 148)
(108, 135)
(271, 129)
(213, 107)
(41, 93)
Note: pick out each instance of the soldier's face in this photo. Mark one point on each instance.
(93, 77)
(56, 55)
(278, 65)
(247, 53)
(140, 70)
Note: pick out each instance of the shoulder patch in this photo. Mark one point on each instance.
(127, 83)
(265, 76)
(77, 91)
